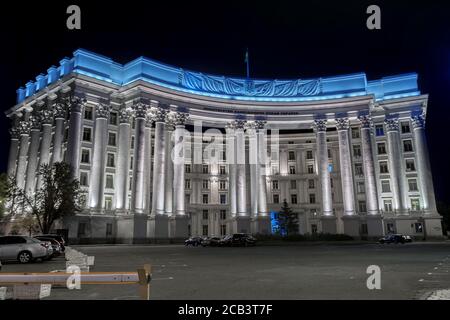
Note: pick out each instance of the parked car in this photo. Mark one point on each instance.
(408, 238)
(238, 239)
(193, 241)
(58, 238)
(211, 242)
(394, 238)
(56, 246)
(24, 249)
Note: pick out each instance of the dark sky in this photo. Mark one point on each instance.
(297, 39)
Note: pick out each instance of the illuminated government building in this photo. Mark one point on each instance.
(349, 155)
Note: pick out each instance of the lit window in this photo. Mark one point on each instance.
(222, 185)
(205, 184)
(108, 203)
(205, 168)
(379, 130)
(415, 204)
(387, 205)
(222, 170)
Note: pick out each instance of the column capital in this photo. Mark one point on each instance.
(391, 124)
(102, 111)
(260, 124)
(76, 103)
(250, 125)
(125, 115)
(149, 120)
(35, 121)
(159, 114)
(46, 116)
(239, 124)
(59, 110)
(418, 121)
(342, 124)
(366, 121)
(24, 127)
(320, 125)
(15, 134)
(140, 109)
(180, 118)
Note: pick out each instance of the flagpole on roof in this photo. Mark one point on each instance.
(247, 61)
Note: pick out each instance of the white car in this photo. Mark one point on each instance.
(24, 249)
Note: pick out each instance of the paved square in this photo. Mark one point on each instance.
(297, 271)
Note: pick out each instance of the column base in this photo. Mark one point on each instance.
(178, 226)
(140, 228)
(240, 224)
(261, 225)
(328, 224)
(375, 225)
(351, 225)
(158, 227)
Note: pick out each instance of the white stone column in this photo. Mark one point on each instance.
(168, 185)
(24, 131)
(97, 183)
(159, 221)
(46, 141)
(423, 165)
(262, 160)
(13, 152)
(76, 106)
(148, 166)
(369, 167)
(395, 165)
(58, 137)
(231, 160)
(241, 182)
(342, 126)
(180, 221)
(33, 154)
(253, 168)
(123, 160)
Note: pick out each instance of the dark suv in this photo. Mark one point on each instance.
(238, 239)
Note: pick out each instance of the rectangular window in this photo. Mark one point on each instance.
(385, 186)
(187, 168)
(387, 205)
(205, 168)
(379, 130)
(132, 141)
(360, 188)
(412, 183)
(359, 169)
(275, 184)
(205, 214)
(222, 185)
(223, 214)
(87, 133)
(410, 166)
(418, 227)
(223, 229)
(205, 229)
(312, 198)
(131, 163)
(381, 148)
(111, 139)
(384, 167)
(81, 229)
(405, 127)
(311, 184)
(113, 118)
(88, 113)
(314, 228)
(222, 170)
(291, 155)
(85, 156)
(415, 204)
(187, 184)
(84, 179)
(110, 161)
(109, 181)
(108, 203)
(407, 146)
(109, 229)
(205, 184)
(362, 206)
(276, 198)
(356, 150)
(310, 168)
(309, 155)
(205, 199)
(355, 133)
(293, 198)
(291, 169)
(223, 198)
(293, 184)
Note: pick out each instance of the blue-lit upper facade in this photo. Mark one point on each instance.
(105, 69)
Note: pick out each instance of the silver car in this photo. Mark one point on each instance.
(23, 249)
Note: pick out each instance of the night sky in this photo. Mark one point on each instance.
(298, 39)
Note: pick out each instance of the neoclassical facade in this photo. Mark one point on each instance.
(163, 152)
